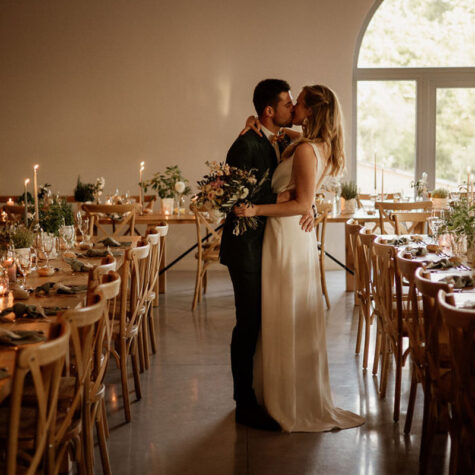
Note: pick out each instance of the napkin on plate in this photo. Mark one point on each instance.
(22, 310)
(49, 287)
(110, 242)
(78, 266)
(459, 281)
(20, 337)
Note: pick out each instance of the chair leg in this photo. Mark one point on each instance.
(324, 284)
(146, 350)
(135, 368)
(367, 324)
(101, 436)
(153, 336)
(88, 438)
(397, 387)
(197, 287)
(384, 367)
(411, 403)
(123, 376)
(106, 423)
(377, 349)
(205, 282)
(140, 348)
(359, 331)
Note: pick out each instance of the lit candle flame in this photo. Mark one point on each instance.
(36, 167)
(27, 181)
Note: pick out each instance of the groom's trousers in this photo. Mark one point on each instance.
(247, 296)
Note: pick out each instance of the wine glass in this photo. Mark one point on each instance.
(67, 235)
(84, 229)
(24, 261)
(47, 245)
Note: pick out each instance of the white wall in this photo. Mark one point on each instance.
(93, 87)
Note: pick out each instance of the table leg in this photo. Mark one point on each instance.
(349, 262)
(162, 280)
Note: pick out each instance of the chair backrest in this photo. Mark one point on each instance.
(86, 336)
(44, 362)
(133, 290)
(385, 208)
(407, 222)
(153, 238)
(364, 256)
(213, 243)
(107, 264)
(461, 325)
(368, 196)
(434, 327)
(384, 291)
(406, 268)
(97, 212)
(352, 230)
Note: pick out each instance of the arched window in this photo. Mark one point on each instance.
(414, 90)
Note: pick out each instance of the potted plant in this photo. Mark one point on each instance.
(349, 192)
(84, 191)
(164, 186)
(440, 198)
(56, 215)
(459, 222)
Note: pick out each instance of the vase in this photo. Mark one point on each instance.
(348, 206)
(440, 203)
(167, 206)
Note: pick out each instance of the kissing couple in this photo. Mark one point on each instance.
(274, 269)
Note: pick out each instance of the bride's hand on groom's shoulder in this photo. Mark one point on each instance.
(245, 210)
(252, 123)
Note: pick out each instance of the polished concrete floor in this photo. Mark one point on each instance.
(184, 423)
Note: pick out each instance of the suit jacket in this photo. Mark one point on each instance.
(244, 252)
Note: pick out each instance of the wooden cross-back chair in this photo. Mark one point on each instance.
(369, 196)
(323, 210)
(153, 238)
(460, 323)
(108, 286)
(366, 302)
(97, 212)
(411, 309)
(386, 208)
(408, 222)
(392, 321)
(352, 231)
(131, 311)
(208, 251)
(438, 375)
(30, 429)
(87, 325)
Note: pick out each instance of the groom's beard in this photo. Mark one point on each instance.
(287, 124)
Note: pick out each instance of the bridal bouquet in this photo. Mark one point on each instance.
(224, 187)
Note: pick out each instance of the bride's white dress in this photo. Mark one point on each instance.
(292, 361)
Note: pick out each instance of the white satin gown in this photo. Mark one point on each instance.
(291, 367)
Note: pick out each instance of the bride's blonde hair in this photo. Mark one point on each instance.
(324, 125)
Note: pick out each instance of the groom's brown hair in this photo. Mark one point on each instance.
(266, 93)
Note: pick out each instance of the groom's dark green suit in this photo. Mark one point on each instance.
(242, 254)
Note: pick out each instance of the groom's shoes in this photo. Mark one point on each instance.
(256, 417)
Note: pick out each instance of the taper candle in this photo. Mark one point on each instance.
(142, 168)
(375, 178)
(26, 201)
(35, 192)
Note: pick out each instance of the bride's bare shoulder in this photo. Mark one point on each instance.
(304, 150)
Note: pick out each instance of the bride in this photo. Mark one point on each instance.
(293, 362)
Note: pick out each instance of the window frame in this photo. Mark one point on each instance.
(428, 80)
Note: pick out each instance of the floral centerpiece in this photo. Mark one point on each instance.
(225, 187)
(164, 183)
(420, 186)
(459, 222)
(85, 192)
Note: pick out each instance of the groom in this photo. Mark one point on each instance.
(242, 254)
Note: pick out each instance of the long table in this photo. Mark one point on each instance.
(64, 275)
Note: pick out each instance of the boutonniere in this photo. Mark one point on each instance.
(280, 137)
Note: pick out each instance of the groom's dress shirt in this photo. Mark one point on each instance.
(269, 136)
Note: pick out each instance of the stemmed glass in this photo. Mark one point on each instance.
(435, 222)
(67, 235)
(24, 261)
(47, 245)
(83, 226)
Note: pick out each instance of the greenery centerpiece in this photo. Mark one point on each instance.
(56, 215)
(19, 236)
(167, 185)
(348, 195)
(85, 192)
(458, 222)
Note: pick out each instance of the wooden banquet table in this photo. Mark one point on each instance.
(66, 276)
